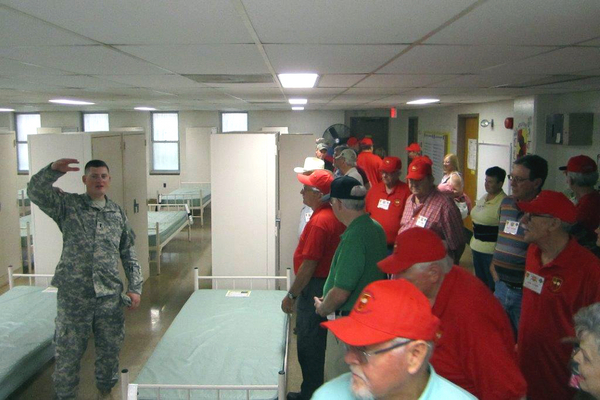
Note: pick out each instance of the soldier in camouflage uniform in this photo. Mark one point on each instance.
(90, 294)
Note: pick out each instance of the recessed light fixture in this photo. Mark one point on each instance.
(145, 108)
(6, 110)
(298, 101)
(424, 101)
(298, 81)
(71, 102)
(298, 108)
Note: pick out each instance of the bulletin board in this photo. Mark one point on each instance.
(435, 146)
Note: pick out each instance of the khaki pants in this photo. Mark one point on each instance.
(334, 358)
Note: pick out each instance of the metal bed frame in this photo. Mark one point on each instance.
(189, 198)
(159, 244)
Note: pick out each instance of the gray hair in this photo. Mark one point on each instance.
(565, 226)
(444, 263)
(340, 148)
(355, 205)
(587, 320)
(430, 346)
(580, 179)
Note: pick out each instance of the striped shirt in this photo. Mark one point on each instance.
(511, 250)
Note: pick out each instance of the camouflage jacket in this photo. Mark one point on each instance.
(93, 239)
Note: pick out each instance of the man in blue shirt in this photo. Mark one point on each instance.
(389, 339)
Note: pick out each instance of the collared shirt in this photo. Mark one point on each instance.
(588, 219)
(353, 172)
(370, 163)
(94, 239)
(319, 240)
(305, 215)
(443, 217)
(437, 388)
(476, 348)
(389, 211)
(511, 250)
(571, 281)
(486, 213)
(354, 264)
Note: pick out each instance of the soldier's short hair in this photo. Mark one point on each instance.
(95, 164)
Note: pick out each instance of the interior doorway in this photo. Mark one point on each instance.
(413, 130)
(375, 127)
(467, 139)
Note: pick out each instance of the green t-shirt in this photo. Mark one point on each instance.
(354, 264)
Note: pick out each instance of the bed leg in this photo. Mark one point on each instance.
(11, 282)
(281, 389)
(288, 281)
(158, 248)
(196, 283)
(124, 383)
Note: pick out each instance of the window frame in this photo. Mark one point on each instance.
(83, 114)
(152, 141)
(26, 142)
(234, 112)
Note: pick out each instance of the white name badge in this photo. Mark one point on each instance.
(421, 221)
(533, 282)
(384, 204)
(511, 227)
(307, 216)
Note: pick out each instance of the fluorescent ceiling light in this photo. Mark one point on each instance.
(297, 81)
(145, 108)
(424, 101)
(6, 110)
(298, 108)
(298, 101)
(71, 102)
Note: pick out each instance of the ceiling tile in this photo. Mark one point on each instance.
(564, 61)
(402, 81)
(339, 81)
(312, 92)
(153, 81)
(383, 91)
(486, 80)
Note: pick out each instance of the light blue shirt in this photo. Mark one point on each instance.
(437, 388)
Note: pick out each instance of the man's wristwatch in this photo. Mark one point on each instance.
(291, 296)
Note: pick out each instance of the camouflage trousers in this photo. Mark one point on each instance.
(78, 316)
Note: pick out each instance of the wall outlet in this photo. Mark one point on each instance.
(164, 184)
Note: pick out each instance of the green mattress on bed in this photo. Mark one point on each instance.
(220, 340)
(26, 330)
(188, 193)
(168, 222)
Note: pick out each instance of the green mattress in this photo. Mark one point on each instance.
(26, 330)
(23, 221)
(220, 340)
(193, 194)
(168, 222)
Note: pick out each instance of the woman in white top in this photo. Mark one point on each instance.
(451, 182)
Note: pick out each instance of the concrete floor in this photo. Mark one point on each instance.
(163, 296)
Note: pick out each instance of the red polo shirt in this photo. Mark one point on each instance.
(571, 281)
(387, 214)
(476, 349)
(588, 211)
(370, 163)
(319, 240)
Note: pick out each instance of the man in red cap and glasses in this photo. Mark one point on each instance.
(561, 276)
(389, 337)
(385, 200)
(476, 347)
(368, 161)
(312, 259)
(414, 151)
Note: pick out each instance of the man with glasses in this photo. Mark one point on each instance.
(388, 338)
(354, 264)
(312, 260)
(508, 263)
(475, 348)
(561, 277)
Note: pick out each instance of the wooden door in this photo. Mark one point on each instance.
(470, 174)
(10, 240)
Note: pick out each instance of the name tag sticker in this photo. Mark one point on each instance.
(511, 227)
(421, 221)
(384, 204)
(533, 282)
(307, 216)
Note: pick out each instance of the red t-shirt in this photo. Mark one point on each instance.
(319, 240)
(370, 163)
(588, 211)
(387, 214)
(571, 281)
(476, 348)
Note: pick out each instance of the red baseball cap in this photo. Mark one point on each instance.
(414, 147)
(419, 168)
(367, 141)
(582, 164)
(386, 310)
(352, 141)
(391, 164)
(321, 179)
(414, 245)
(552, 203)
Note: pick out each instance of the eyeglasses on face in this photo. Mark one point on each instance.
(364, 356)
(517, 179)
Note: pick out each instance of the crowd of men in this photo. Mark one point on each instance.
(385, 311)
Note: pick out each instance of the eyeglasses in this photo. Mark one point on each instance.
(364, 356)
(517, 179)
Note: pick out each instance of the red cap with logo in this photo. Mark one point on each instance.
(414, 245)
(367, 141)
(321, 179)
(352, 141)
(386, 310)
(549, 202)
(582, 164)
(391, 164)
(419, 168)
(414, 147)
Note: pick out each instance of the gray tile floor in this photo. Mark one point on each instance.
(163, 297)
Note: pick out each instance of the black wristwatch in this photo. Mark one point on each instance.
(291, 296)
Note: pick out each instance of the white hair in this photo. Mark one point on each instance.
(352, 204)
(444, 263)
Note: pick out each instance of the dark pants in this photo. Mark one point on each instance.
(312, 339)
(481, 263)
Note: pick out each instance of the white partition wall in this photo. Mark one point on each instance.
(293, 149)
(197, 154)
(244, 203)
(10, 240)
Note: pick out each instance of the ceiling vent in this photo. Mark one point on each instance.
(216, 79)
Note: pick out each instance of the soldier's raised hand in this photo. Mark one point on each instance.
(62, 165)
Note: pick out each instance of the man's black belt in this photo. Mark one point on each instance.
(485, 233)
(513, 286)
